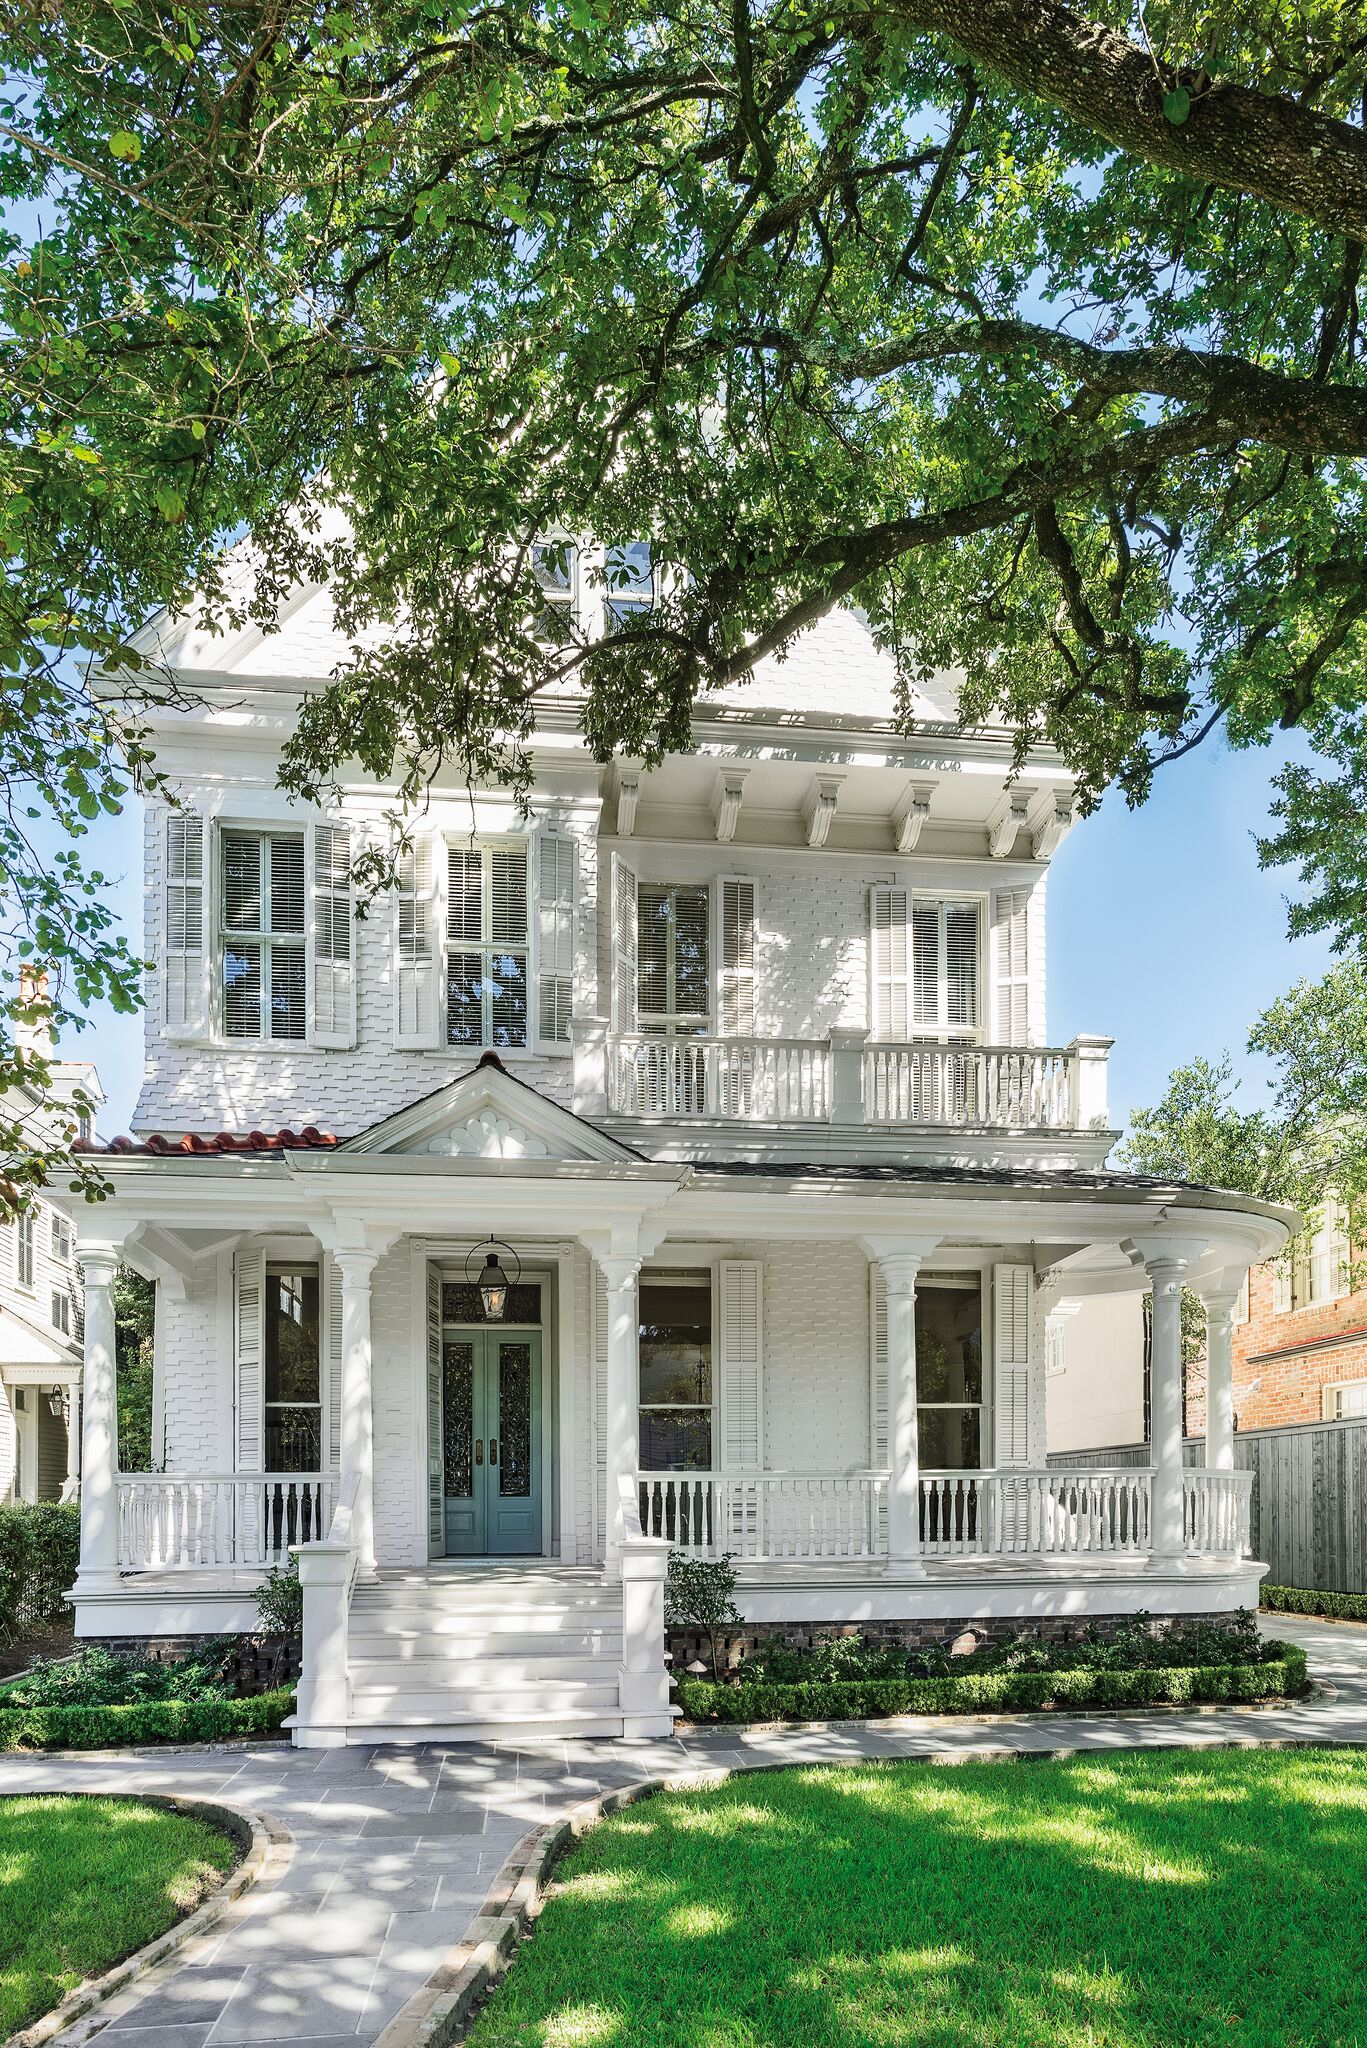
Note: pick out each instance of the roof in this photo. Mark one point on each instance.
(195, 1144)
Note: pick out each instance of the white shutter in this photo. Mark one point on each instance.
(332, 1353)
(1010, 910)
(599, 1463)
(555, 942)
(188, 908)
(417, 1009)
(889, 1007)
(623, 945)
(736, 954)
(436, 1482)
(878, 1369)
(742, 1363)
(249, 1322)
(332, 932)
(1012, 1316)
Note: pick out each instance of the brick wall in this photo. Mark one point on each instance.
(1287, 1387)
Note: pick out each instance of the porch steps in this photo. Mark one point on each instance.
(470, 1654)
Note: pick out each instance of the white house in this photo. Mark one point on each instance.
(741, 1062)
(41, 1310)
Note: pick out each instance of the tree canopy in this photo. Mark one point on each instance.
(1035, 336)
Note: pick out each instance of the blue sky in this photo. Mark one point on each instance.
(1163, 933)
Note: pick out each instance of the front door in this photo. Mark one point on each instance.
(491, 1442)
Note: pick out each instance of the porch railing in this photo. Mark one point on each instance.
(171, 1521)
(772, 1516)
(846, 1079)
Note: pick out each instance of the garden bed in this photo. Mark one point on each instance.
(1308, 1600)
(99, 1701)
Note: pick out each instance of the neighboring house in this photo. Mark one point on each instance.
(41, 1310)
(742, 1063)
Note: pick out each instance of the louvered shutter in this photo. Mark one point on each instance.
(961, 965)
(188, 906)
(740, 1285)
(925, 966)
(598, 1505)
(417, 1009)
(436, 1487)
(249, 1322)
(888, 963)
(332, 1315)
(1012, 1316)
(1010, 908)
(332, 929)
(878, 1370)
(1281, 1287)
(555, 942)
(736, 1005)
(623, 945)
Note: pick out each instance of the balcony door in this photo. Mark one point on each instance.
(491, 1441)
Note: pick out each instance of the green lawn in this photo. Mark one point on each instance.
(84, 1881)
(1155, 1899)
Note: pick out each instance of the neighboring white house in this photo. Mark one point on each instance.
(743, 1061)
(41, 1314)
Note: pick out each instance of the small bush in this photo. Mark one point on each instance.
(1307, 1600)
(40, 1549)
(699, 1593)
(1279, 1673)
(149, 1721)
(96, 1677)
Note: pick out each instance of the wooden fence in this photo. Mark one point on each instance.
(1309, 1497)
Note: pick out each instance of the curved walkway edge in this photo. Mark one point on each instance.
(416, 1869)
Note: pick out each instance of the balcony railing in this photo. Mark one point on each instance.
(171, 1521)
(777, 1516)
(846, 1079)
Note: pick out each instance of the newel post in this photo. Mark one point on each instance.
(847, 1077)
(1087, 1062)
(644, 1681)
(322, 1697)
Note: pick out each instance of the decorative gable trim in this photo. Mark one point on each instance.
(489, 1114)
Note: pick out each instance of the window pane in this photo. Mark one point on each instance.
(463, 1001)
(630, 583)
(676, 1439)
(287, 883)
(925, 963)
(464, 903)
(242, 991)
(294, 1438)
(652, 974)
(961, 952)
(242, 881)
(949, 1343)
(508, 998)
(950, 1439)
(691, 986)
(676, 1342)
(287, 992)
(462, 1302)
(292, 1333)
(551, 565)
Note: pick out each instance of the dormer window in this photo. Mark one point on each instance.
(630, 585)
(262, 935)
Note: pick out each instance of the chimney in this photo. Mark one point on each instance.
(33, 1036)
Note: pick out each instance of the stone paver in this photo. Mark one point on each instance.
(397, 1848)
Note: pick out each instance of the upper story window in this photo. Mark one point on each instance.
(925, 966)
(23, 1248)
(61, 1241)
(673, 971)
(1321, 1268)
(293, 1402)
(262, 935)
(630, 591)
(555, 565)
(61, 1311)
(487, 945)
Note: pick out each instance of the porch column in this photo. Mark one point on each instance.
(357, 1451)
(99, 1422)
(899, 1270)
(71, 1485)
(1221, 1300)
(623, 1423)
(1167, 1271)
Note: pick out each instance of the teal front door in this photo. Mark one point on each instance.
(491, 1442)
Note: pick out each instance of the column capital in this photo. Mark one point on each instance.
(98, 1263)
(1166, 1260)
(899, 1259)
(356, 1266)
(620, 1270)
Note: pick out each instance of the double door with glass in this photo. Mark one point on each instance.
(491, 1442)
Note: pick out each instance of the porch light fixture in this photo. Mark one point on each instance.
(56, 1403)
(493, 1281)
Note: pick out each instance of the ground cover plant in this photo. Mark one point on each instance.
(97, 1700)
(83, 1882)
(1125, 1901)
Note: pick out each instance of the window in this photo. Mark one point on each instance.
(1320, 1269)
(1054, 1360)
(61, 1311)
(673, 975)
(294, 1437)
(486, 955)
(924, 957)
(676, 1372)
(949, 1377)
(61, 1241)
(630, 585)
(262, 939)
(553, 565)
(1343, 1402)
(23, 1249)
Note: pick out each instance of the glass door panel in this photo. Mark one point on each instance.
(491, 1443)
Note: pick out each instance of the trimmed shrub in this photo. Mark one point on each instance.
(40, 1549)
(148, 1722)
(1281, 1673)
(96, 1677)
(1307, 1600)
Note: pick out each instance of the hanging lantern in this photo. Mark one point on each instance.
(494, 1283)
(56, 1403)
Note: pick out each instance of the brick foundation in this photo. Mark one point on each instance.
(736, 1644)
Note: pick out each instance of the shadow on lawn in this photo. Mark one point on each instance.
(1159, 1899)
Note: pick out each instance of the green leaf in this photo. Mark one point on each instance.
(1177, 105)
(124, 145)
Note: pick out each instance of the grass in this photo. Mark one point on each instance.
(1129, 1901)
(85, 1881)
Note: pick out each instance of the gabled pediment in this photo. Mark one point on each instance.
(488, 1114)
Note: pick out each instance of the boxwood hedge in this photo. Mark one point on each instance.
(148, 1722)
(1280, 1674)
(1307, 1600)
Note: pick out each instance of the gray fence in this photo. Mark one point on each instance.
(1309, 1498)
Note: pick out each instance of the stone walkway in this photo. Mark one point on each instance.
(396, 1848)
